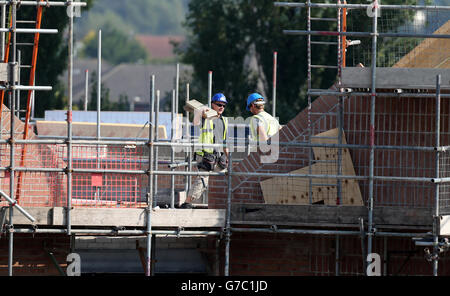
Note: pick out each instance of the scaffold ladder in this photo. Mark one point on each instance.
(31, 81)
(340, 21)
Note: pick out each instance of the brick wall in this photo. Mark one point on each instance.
(312, 255)
(35, 188)
(398, 122)
(30, 254)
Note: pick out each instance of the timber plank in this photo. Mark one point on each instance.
(430, 53)
(332, 215)
(194, 105)
(124, 217)
(282, 190)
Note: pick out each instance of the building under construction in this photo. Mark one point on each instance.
(358, 174)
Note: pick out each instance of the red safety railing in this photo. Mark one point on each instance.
(96, 189)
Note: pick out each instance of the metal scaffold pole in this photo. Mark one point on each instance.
(372, 131)
(156, 150)
(172, 150)
(228, 215)
(209, 88)
(177, 88)
(150, 176)
(86, 90)
(274, 85)
(360, 6)
(340, 116)
(436, 219)
(99, 82)
(12, 99)
(3, 33)
(188, 140)
(69, 123)
(99, 104)
(310, 150)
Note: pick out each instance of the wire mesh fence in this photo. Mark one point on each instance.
(444, 188)
(405, 52)
(404, 156)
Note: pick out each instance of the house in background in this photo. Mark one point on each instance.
(159, 47)
(131, 80)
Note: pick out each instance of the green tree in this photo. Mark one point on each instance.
(117, 47)
(224, 33)
(137, 16)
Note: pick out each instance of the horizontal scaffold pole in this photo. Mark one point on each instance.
(325, 232)
(363, 34)
(26, 87)
(203, 173)
(22, 30)
(45, 3)
(367, 94)
(360, 6)
(290, 144)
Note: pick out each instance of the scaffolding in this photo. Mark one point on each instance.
(109, 173)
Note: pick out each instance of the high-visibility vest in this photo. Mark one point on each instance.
(271, 125)
(207, 134)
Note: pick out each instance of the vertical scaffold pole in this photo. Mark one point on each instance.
(150, 175)
(187, 139)
(309, 101)
(69, 123)
(274, 87)
(205, 193)
(99, 104)
(172, 151)
(19, 61)
(209, 88)
(86, 89)
(177, 88)
(228, 216)
(3, 22)
(372, 129)
(436, 220)
(12, 99)
(155, 159)
(340, 117)
(99, 81)
(3, 34)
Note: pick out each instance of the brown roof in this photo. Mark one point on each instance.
(430, 53)
(159, 46)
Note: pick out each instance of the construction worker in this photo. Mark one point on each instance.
(212, 131)
(262, 124)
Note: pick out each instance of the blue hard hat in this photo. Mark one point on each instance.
(253, 97)
(219, 97)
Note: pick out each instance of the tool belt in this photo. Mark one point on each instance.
(223, 161)
(208, 162)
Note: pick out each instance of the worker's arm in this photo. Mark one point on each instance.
(262, 133)
(199, 114)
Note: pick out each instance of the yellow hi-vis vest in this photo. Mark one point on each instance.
(207, 134)
(271, 125)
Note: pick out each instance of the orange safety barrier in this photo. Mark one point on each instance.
(31, 82)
